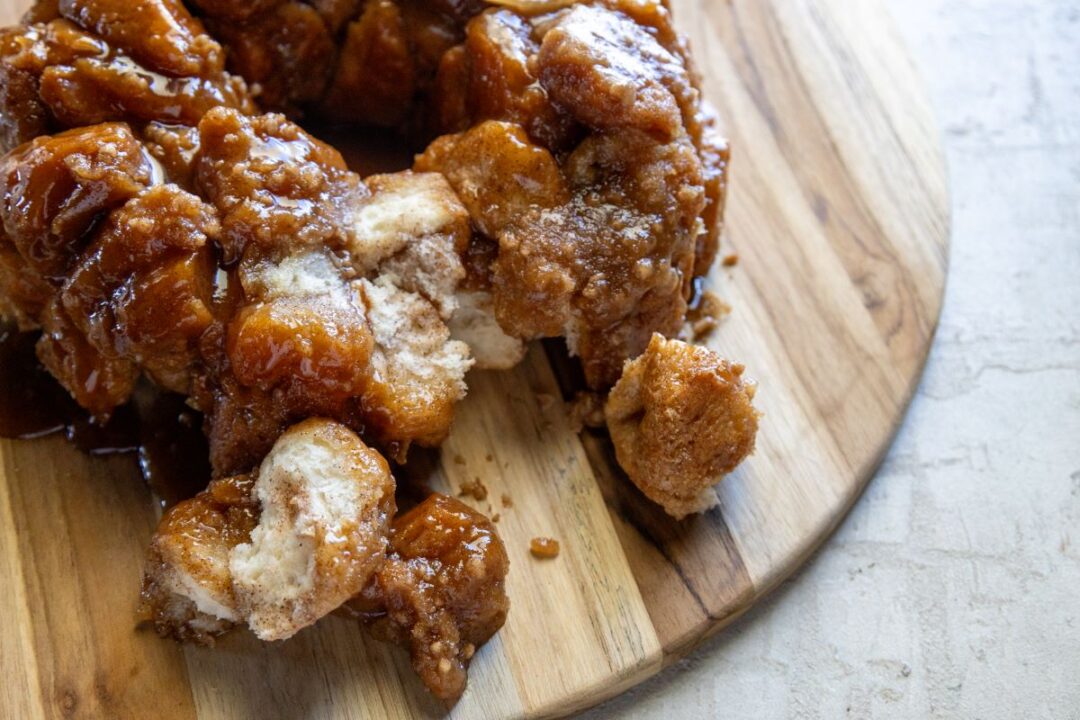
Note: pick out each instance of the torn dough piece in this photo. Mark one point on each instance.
(417, 373)
(278, 549)
(474, 324)
(187, 591)
(412, 229)
(326, 501)
(441, 593)
(681, 418)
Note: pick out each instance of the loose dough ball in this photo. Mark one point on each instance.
(681, 418)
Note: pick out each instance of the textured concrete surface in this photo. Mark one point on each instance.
(953, 589)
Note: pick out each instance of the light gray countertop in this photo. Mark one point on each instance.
(953, 588)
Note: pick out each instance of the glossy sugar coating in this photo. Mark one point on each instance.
(187, 591)
(595, 145)
(59, 73)
(600, 88)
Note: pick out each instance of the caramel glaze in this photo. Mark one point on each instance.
(156, 428)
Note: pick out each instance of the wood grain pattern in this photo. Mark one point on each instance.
(838, 213)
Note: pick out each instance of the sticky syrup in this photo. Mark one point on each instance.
(157, 429)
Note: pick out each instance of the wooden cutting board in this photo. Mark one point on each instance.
(839, 216)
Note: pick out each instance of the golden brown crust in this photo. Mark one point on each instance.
(54, 188)
(599, 183)
(58, 75)
(607, 72)
(276, 187)
(142, 288)
(130, 282)
(160, 34)
(681, 418)
(175, 148)
(501, 53)
(600, 251)
(98, 381)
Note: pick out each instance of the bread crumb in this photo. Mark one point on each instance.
(458, 459)
(586, 410)
(474, 489)
(496, 517)
(544, 548)
(489, 458)
(545, 400)
(705, 315)
(507, 501)
(731, 260)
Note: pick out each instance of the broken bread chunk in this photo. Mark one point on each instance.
(277, 549)
(309, 532)
(681, 418)
(417, 373)
(326, 501)
(442, 591)
(413, 230)
(187, 591)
